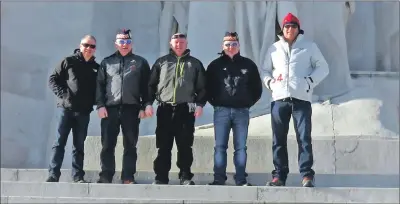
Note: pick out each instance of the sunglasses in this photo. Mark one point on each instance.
(123, 42)
(86, 45)
(232, 44)
(291, 26)
(178, 36)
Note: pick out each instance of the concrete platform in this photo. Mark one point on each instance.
(258, 179)
(332, 155)
(202, 192)
(38, 199)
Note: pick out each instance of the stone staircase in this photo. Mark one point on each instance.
(27, 186)
(349, 170)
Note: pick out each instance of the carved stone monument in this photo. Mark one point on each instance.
(48, 31)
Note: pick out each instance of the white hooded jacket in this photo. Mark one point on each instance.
(293, 72)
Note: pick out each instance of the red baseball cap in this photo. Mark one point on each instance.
(291, 19)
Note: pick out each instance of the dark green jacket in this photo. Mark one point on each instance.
(178, 80)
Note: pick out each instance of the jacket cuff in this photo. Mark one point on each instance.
(99, 106)
(268, 84)
(200, 104)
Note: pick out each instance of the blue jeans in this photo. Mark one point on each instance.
(78, 122)
(226, 119)
(281, 112)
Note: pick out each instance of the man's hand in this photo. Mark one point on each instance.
(198, 112)
(149, 111)
(102, 112)
(142, 115)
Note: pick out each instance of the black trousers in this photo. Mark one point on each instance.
(126, 117)
(174, 122)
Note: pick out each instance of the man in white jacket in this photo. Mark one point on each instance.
(292, 68)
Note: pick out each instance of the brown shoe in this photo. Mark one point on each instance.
(129, 182)
(276, 182)
(308, 181)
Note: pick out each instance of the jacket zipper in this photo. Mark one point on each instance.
(121, 69)
(178, 68)
(176, 79)
(288, 69)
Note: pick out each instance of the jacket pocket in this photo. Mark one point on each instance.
(67, 99)
(275, 85)
(307, 86)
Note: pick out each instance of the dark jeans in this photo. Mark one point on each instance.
(78, 122)
(226, 119)
(281, 111)
(174, 122)
(126, 118)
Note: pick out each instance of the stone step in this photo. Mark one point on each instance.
(332, 155)
(201, 192)
(39, 199)
(258, 179)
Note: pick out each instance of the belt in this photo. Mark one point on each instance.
(170, 104)
(287, 99)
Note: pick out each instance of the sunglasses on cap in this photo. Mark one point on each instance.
(176, 36)
(123, 42)
(233, 34)
(231, 44)
(86, 45)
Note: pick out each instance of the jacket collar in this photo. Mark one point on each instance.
(118, 54)
(299, 38)
(79, 56)
(225, 56)
(186, 53)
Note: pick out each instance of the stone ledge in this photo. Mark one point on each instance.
(344, 155)
(258, 179)
(202, 192)
(356, 74)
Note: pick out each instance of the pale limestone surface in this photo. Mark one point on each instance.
(53, 29)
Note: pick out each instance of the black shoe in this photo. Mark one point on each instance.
(80, 180)
(216, 183)
(51, 179)
(158, 182)
(276, 182)
(103, 180)
(308, 182)
(186, 182)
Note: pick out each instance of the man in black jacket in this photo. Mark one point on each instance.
(233, 86)
(74, 83)
(178, 83)
(121, 97)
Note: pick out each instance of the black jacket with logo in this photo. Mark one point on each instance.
(234, 83)
(73, 81)
(178, 80)
(122, 80)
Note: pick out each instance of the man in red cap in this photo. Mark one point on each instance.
(292, 68)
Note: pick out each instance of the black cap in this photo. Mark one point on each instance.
(124, 34)
(231, 36)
